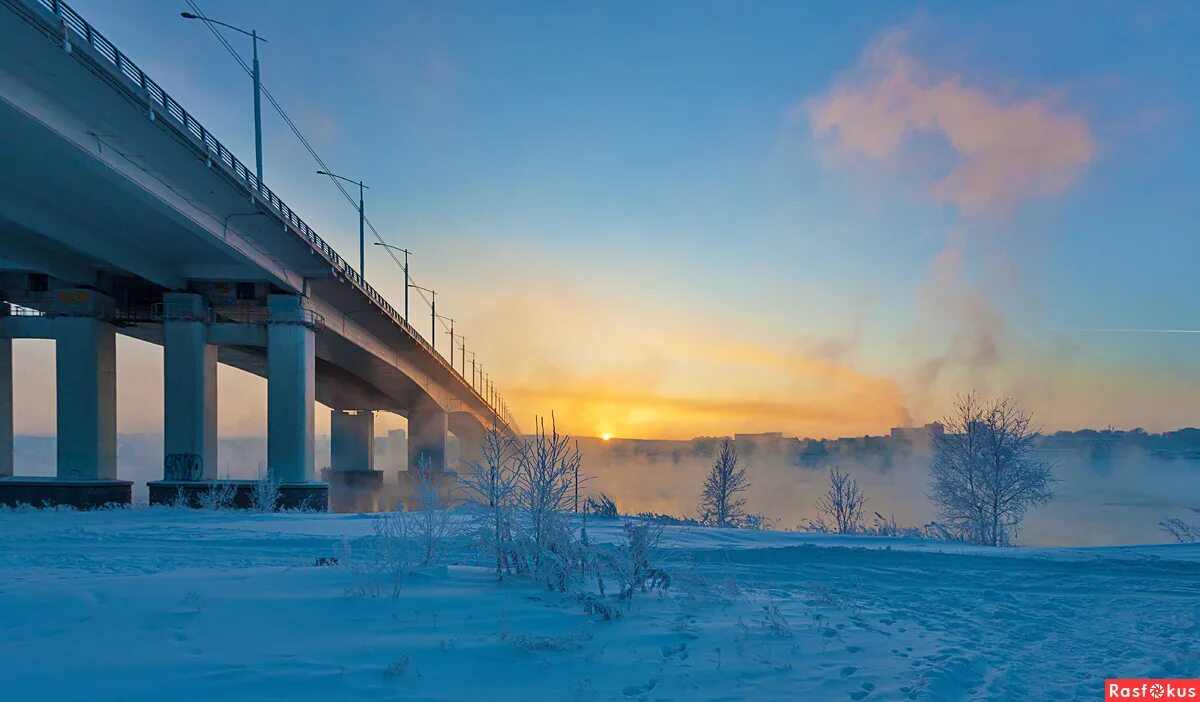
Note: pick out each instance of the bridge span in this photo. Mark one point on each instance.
(121, 214)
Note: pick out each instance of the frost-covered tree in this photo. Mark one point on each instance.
(985, 471)
(547, 467)
(842, 503)
(432, 523)
(491, 486)
(720, 504)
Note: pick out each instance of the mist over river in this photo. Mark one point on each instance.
(1117, 497)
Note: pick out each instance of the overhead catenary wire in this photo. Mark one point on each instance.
(303, 141)
(498, 404)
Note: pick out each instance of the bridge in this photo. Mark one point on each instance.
(121, 214)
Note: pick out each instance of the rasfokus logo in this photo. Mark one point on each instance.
(1148, 689)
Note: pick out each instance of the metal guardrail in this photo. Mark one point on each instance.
(71, 22)
(12, 309)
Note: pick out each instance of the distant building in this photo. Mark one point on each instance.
(772, 441)
(918, 434)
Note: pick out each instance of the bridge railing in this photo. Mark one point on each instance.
(144, 86)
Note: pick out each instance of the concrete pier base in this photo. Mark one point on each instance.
(354, 490)
(312, 495)
(54, 492)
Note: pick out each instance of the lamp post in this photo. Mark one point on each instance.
(406, 286)
(451, 337)
(362, 218)
(433, 315)
(253, 34)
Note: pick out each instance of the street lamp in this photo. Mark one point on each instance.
(257, 90)
(406, 286)
(362, 238)
(451, 337)
(433, 315)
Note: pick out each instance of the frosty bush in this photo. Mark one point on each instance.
(491, 487)
(219, 495)
(265, 495)
(380, 564)
(1183, 532)
(757, 522)
(986, 472)
(601, 506)
(180, 500)
(841, 507)
(661, 518)
(630, 565)
(719, 502)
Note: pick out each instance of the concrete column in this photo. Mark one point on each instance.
(291, 391)
(86, 355)
(470, 444)
(189, 390)
(427, 432)
(6, 408)
(352, 440)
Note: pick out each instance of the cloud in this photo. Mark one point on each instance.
(1006, 151)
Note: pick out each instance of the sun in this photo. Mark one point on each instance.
(606, 437)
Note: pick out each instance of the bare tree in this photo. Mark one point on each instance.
(491, 488)
(842, 503)
(719, 502)
(986, 473)
(432, 524)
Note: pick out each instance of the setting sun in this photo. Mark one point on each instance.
(606, 437)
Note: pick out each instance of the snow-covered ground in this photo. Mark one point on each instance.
(162, 604)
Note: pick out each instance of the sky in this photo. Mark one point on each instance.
(674, 219)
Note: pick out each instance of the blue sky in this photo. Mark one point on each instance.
(635, 217)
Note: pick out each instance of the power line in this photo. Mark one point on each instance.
(299, 135)
(500, 406)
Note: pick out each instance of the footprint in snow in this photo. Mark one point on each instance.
(633, 690)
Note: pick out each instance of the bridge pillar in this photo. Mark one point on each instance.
(86, 475)
(6, 405)
(291, 400)
(354, 483)
(428, 426)
(352, 440)
(86, 361)
(469, 434)
(189, 390)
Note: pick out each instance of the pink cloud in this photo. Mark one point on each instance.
(1006, 151)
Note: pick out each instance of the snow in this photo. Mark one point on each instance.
(144, 603)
